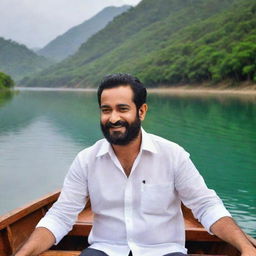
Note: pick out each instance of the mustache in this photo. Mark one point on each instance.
(116, 124)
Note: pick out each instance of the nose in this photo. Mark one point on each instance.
(114, 117)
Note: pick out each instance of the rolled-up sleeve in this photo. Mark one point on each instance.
(74, 195)
(205, 204)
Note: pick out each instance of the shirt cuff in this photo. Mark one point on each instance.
(52, 225)
(213, 214)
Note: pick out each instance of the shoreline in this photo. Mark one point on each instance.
(174, 90)
(206, 89)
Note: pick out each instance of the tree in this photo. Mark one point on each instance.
(5, 81)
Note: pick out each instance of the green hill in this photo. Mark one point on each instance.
(166, 42)
(68, 43)
(6, 81)
(18, 61)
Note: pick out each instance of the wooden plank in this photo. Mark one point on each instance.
(5, 247)
(80, 230)
(22, 229)
(60, 253)
(21, 212)
(194, 230)
(76, 253)
(200, 234)
(83, 224)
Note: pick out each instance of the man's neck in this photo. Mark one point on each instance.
(131, 149)
(128, 153)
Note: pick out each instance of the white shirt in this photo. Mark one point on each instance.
(141, 212)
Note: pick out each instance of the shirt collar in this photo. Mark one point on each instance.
(146, 144)
(104, 149)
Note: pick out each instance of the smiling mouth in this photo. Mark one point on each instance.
(116, 127)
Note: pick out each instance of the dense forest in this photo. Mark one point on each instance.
(6, 81)
(166, 42)
(68, 43)
(18, 61)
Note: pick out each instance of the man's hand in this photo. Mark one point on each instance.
(252, 240)
(226, 229)
(39, 241)
(249, 252)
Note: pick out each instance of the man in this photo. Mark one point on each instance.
(136, 182)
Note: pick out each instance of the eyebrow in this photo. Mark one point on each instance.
(104, 106)
(119, 105)
(123, 105)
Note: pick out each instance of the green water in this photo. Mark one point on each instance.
(42, 131)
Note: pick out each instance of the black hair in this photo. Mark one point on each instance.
(116, 80)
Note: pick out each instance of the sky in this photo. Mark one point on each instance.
(37, 22)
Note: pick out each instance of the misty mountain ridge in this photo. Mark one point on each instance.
(166, 42)
(18, 61)
(69, 42)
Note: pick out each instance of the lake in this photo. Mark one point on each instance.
(41, 131)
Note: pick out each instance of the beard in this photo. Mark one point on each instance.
(132, 131)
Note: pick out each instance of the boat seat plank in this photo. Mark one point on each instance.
(194, 229)
(60, 253)
(77, 253)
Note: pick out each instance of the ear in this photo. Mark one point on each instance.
(142, 111)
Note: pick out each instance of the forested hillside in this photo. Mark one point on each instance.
(68, 43)
(167, 42)
(18, 61)
(6, 81)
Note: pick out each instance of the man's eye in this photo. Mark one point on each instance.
(105, 110)
(124, 109)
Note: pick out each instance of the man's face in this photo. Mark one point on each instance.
(120, 122)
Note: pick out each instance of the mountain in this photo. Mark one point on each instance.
(68, 43)
(166, 42)
(18, 61)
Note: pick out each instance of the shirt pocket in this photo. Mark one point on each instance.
(155, 198)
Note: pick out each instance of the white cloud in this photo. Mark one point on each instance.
(36, 22)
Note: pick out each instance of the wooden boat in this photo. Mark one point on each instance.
(16, 227)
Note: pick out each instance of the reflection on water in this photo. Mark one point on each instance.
(6, 96)
(41, 132)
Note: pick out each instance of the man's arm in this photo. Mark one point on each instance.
(61, 217)
(207, 206)
(39, 241)
(226, 229)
